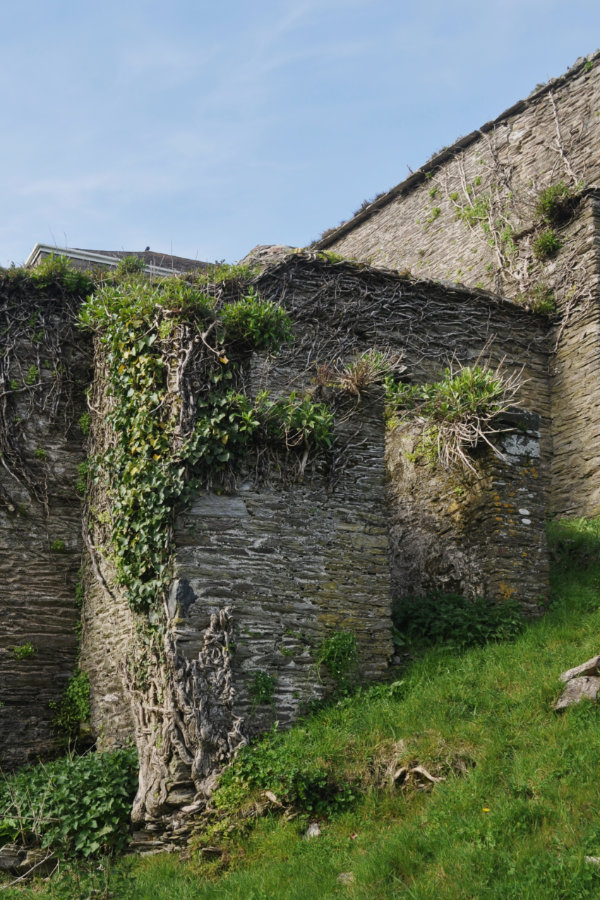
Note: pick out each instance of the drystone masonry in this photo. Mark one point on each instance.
(481, 532)
(44, 369)
(300, 549)
(475, 532)
(294, 559)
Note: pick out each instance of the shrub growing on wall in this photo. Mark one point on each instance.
(455, 413)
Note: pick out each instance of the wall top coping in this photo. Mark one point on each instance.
(379, 277)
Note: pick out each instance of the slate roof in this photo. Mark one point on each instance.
(156, 263)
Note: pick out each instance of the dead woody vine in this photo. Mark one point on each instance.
(38, 311)
(507, 216)
(174, 417)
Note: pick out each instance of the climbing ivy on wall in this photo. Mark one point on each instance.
(177, 414)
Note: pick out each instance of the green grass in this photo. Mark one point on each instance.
(515, 817)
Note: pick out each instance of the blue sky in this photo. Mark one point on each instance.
(203, 128)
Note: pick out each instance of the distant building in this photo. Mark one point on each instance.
(155, 263)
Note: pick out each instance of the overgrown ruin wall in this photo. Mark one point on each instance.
(44, 369)
(469, 216)
(483, 533)
(293, 560)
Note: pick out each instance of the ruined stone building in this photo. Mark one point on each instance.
(489, 254)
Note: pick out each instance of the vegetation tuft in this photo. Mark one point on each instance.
(454, 621)
(555, 204)
(546, 245)
(338, 653)
(73, 708)
(455, 413)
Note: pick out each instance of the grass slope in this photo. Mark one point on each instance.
(515, 817)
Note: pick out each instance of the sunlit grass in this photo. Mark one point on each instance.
(515, 817)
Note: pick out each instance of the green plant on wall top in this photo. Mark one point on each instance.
(455, 413)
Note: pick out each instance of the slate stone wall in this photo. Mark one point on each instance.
(40, 519)
(477, 533)
(298, 549)
(343, 308)
(294, 559)
(448, 530)
(550, 137)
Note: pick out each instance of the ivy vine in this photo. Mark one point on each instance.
(177, 414)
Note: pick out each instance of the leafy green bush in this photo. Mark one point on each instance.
(128, 266)
(296, 421)
(59, 272)
(546, 245)
(255, 324)
(454, 413)
(453, 620)
(73, 806)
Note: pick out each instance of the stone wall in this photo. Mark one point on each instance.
(341, 308)
(575, 368)
(552, 136)
(294, 559)
(476, 532)
(45, 368)
(297, 549)
(449, 530)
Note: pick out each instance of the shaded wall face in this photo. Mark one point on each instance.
(482, 536)
(575, 368)
(477, 533)
(294, 560)
(40, 521)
